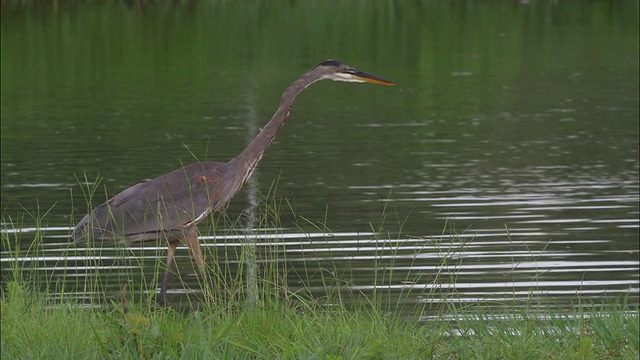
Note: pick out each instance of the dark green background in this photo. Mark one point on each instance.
(503, 110)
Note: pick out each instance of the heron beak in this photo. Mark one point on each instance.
(366, 77)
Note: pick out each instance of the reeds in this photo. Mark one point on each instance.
(110, 311)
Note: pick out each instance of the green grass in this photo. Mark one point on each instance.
(40, 318)
(33, 328)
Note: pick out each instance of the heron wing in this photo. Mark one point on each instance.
(168, 203)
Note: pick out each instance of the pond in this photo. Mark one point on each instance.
(503, 166)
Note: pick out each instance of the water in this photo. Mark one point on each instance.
(503, 167)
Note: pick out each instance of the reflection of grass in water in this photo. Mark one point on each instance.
(40, 318)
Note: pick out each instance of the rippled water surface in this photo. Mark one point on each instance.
(501, 169)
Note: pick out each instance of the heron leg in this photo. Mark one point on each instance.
(173, 244)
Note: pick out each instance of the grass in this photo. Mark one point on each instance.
(31, 328)
(41, 318)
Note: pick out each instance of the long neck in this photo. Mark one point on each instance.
(246, 162)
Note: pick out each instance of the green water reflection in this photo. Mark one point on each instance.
(497, 99)
(120, 90)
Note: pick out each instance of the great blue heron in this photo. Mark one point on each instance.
(170, 206)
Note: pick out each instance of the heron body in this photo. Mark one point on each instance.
(171, 205)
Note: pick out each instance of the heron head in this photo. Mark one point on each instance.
(337, 71)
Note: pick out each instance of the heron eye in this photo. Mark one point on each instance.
(343, 69)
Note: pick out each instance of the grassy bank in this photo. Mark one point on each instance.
(33, 327)
(41, 317)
